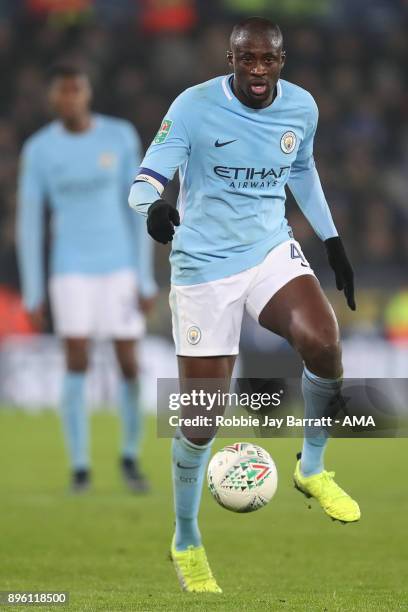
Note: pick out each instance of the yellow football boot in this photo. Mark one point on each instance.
(335, 502)
(193, 571)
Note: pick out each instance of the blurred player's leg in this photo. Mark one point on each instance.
(72, 303)
(131, 415)
(74, 416)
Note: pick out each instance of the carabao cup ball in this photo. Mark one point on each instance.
(242, 477)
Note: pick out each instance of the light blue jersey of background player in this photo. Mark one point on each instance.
(84, 178)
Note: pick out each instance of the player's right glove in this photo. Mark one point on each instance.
(161, 219)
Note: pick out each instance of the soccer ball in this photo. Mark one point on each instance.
(242, 477)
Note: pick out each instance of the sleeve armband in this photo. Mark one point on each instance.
(156, 180)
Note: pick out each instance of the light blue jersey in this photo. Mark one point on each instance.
(234, 162)
(84, 179)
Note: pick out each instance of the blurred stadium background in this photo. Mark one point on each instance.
(141, 54)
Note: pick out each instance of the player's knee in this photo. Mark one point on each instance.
(76, 354)
(77, 361)
(321, 352)
(129, 368)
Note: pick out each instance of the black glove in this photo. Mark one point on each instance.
(342, 269)
(161, 219)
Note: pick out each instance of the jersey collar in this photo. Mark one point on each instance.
(95, 122)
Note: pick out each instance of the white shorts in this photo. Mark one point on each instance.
(207, 317)
(100, 305)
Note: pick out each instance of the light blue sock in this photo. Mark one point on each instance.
(317, 393)
(132, 418)
(75, 419)
(189, 464)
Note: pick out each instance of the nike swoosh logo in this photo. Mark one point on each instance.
(187, 467)
(304, 265)
(222, 144)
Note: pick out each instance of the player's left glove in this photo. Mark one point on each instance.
(342, 269)
(161, 219)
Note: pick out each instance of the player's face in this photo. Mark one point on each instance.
(70, 96)
(257, 63)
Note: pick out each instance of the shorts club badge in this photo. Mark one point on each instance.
(194, 334)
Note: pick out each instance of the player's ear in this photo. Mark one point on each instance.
(230, 58)
(283, 58)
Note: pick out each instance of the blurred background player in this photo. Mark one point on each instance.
(234, 251)
(101, 280)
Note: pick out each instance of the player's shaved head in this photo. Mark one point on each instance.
(256, 27)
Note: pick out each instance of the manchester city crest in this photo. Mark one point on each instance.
(288, 142)
(107, 159)
(194, 334)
